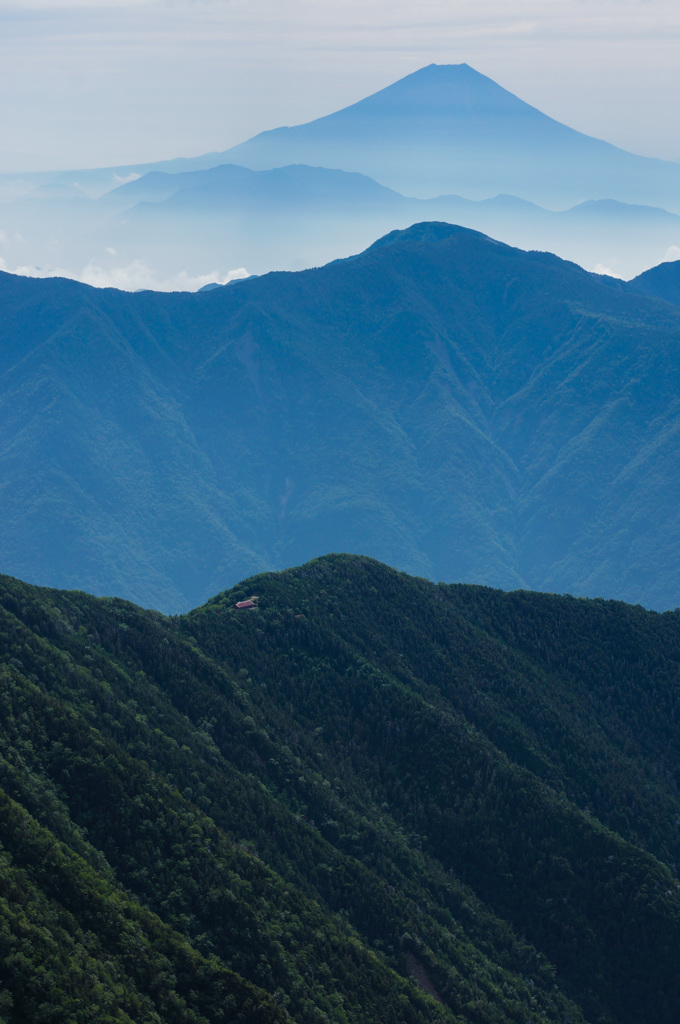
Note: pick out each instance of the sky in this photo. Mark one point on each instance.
(93, 83)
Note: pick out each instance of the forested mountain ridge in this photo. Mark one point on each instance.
(442, 402)
(368, 797)
(663, 282)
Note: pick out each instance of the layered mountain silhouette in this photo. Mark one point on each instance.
(298, 216)
(339, 794)
(468, 150)
(289, 218)
(448, 404)
(440, 130)
(448, 128)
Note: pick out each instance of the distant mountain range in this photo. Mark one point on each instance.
(448, 404)
(362, 797)
(448, 128)
(443, 129)
(298, 197)
(294, 217)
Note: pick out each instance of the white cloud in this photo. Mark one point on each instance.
(136, 276)
(672, 253)
(139, 274)
(600, 268)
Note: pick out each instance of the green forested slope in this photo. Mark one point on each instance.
(370, 798)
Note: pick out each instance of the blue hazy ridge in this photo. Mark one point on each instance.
(443, 402)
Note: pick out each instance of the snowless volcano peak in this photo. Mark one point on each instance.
(448, 129)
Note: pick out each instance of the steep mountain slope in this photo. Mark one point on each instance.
(448, 404)
(368, 798)
(448, 128)
(663, 282)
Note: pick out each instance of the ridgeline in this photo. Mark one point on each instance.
(442, 402)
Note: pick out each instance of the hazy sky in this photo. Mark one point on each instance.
(101, 82)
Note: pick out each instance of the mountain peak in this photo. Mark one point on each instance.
(436, 366)
(448, 128)
(453, 89)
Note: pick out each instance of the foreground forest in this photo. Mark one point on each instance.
(366, 798)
